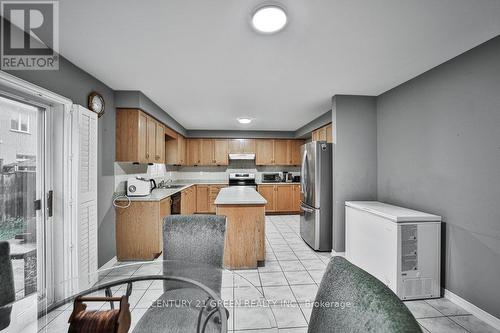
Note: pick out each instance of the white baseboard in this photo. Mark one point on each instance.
(338, 254)
(109, 264)
(479, 313)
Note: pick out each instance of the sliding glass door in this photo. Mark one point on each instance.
(25, 195)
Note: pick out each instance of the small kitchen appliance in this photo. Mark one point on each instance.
(273, 177)
(139, 187)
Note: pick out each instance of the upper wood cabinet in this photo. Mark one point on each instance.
(278, 152)
(324, 133)
(193, 152)
(139, 137)
(160, 143)
(282, 152)
(264, 152)
(220, 152)
(241, 146)
(175, 151)
(295, 152)
(207, 152)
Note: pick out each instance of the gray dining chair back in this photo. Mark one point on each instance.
(7, 291)
(194, 238)
(358, 302)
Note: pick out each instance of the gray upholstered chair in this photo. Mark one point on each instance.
(359, 303)
(7, 291)
(193, 247)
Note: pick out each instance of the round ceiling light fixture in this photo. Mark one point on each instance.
(244, 120)
(269, 19)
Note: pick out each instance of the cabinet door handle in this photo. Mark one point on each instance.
(147, 155)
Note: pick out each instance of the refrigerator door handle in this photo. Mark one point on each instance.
(306, 209)
(303, 173)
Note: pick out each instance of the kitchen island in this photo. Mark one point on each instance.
(244, 209)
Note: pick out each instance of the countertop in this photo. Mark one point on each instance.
(238, 195)
(277, 183)
(159, 194)
(393, 213)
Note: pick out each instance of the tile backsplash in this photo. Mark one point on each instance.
(123, 171)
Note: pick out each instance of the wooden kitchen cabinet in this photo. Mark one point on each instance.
(296, 198)
(324, 133)
(136, 137)
(295, 157)
(278, 152)
(207, 152)
(213, 191)
(220, 152)
(264, 152)
(281, 198)
(139, 229)
(284, 198)
(241, 146)
(269, 193)
(282, 152)
(329, 133)
(188, 201)
(202, 205)
(175, 151)
(160, 143)
(193, 152)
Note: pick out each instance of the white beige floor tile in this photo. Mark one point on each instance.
(273, 279)
(447, 307)
(302, 277)
(421, 309)
(441, 325)
(473, 324)
(289, 316)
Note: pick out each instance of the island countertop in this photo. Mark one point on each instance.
(239, 195)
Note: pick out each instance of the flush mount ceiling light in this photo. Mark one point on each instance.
(244, 120)
(269, 19)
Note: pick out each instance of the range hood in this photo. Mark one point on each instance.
(242, 156)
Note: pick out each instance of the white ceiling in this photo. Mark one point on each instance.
(202, 63)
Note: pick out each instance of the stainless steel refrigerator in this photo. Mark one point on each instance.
(316, 195)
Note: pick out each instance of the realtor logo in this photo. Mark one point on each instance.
(30, 35)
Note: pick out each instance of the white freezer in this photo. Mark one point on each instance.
(399, 246)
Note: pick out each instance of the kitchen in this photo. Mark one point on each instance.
(212, 164)
(217, 117)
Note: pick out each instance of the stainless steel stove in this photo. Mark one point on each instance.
(242, 179)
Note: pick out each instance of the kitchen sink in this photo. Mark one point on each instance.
(170, 186)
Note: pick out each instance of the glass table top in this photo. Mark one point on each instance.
(165, 296)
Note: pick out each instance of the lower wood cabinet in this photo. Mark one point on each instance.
(202, 198)
(188, 201)
(269, 193)
(281, 198)
(139, 234)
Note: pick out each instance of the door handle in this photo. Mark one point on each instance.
(306, 209)
(50, 203)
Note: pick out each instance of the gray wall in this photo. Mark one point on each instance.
(439, 151)
(305, 131)
(354, 121)
(136, 99)
(76, 84)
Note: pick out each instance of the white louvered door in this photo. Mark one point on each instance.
(87, 196)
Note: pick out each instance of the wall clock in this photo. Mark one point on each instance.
(96, 103)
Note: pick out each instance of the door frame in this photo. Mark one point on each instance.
(59, 161)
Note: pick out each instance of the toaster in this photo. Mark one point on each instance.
(137, 187)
